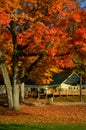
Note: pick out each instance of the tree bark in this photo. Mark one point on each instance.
(16, 84)
(15, 59)
(8, 85)
(80, 88)
(22, 93)
(6, 80)
(16, 96)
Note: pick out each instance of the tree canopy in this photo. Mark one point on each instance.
(41, 37)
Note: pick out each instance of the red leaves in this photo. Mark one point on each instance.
(23, 38)
(61, 8)
(34, 36)
(80, 38)
(54, 34)
(52, 51)
(66, 63)
(70, 5)
(4, 18)
(60, 113)
(81, 33)
(39, 31)
(76, 16)
(43, 22)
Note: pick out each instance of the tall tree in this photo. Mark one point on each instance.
(38, 37)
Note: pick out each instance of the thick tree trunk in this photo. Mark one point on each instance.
(16, 96)
(22, 93)
(8, 85)
(16, 83)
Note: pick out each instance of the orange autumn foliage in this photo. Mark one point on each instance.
(54, 29)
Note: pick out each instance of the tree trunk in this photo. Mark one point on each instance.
(16, 96)
(8, 85)
(80, 88)
(22, 92)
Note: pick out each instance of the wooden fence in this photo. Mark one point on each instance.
(66, 92)
(50, 91)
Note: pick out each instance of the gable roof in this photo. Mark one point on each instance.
(73, 79)
(57, 79)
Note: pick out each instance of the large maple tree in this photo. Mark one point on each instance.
(38, 38)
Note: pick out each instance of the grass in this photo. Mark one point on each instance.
(60, 99)
(3, 99)
(69, 99)
(41, 127)
(45, 126)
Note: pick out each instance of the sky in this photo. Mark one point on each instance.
(83, 4)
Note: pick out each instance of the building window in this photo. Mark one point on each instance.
(70, 87)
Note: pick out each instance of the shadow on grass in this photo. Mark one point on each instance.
(29, 104)
(4, 111)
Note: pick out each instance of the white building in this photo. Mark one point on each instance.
(72, 82)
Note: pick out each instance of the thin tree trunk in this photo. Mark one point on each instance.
(80, 88)
(8, 84)
(22, 92)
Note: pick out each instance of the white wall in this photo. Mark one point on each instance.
(64, 86)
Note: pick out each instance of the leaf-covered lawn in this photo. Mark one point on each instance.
(57, 114)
